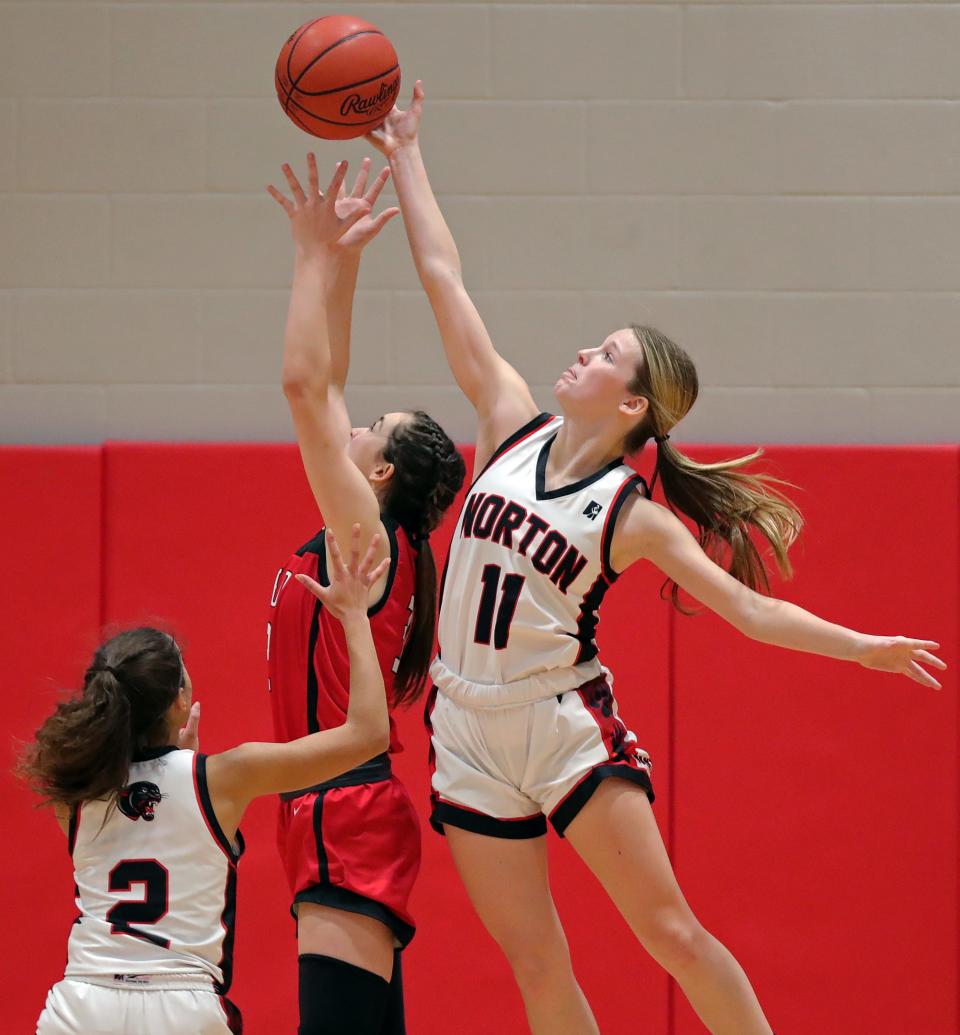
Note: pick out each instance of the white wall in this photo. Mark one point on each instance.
(775, 184)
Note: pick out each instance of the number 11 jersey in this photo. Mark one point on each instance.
(529, 566)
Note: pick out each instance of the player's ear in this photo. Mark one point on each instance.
(382, 473)
(634, 406)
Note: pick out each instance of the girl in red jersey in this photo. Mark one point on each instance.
(524, 724)
(351, 846)
(152, 824)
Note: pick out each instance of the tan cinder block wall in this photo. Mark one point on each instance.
(774, 184)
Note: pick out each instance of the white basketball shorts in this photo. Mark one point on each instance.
(503, 771)
(76, 1007)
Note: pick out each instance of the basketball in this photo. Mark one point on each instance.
(337, 77)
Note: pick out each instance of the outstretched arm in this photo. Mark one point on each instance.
(497, 392)
(349, 248)
(647, 530)
(241, 774)
(319, 413)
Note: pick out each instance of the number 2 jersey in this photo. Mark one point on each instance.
(308, 666)
(527, 571)
(155, 881)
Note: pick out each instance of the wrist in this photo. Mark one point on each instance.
(355, 621)
(403, 152)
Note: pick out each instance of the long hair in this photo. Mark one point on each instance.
(428, 473)
(83, 751)
(724, 500)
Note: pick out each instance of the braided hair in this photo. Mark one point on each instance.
(83, 751)
(428, 474)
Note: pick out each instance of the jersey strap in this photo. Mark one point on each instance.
(206, 808)
(622, 495)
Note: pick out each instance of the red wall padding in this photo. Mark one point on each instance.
(816, 801)
(49, 624)
(814, 806)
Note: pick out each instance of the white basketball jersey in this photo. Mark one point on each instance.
(155, 880)
(528, 567)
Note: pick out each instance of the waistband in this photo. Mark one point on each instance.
(374, 771)
(184, 981)
(529, 690)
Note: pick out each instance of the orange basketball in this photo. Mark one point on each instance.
(337, 77)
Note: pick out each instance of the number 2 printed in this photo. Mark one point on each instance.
(509, 596)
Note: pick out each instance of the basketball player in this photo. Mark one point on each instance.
(524, 725)
(152, 824)
(351, 847)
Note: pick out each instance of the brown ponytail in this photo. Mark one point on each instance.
(83, 751)
(428, 473)
(725, 502)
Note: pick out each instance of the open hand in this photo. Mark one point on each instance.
(904, 656)
(318, 219)
(399, 127)
(348, 593)
(366, 228)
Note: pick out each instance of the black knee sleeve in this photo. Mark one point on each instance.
(337, 998)
(394, 1022)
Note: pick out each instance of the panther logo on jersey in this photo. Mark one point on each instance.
(139, 800)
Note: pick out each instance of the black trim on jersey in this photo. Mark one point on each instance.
(323, 576)
(511, 440)
(203, 793)
(337, 897)
(149, 754)
(565, 813)
(589, 618)
(72, 827)
(443, 583)
(228, 918)
(322, 860)
(610, 523)
(313, 692)
(391, 526)
(478, 823)
(376, 770)
(543, 493)
(315, 545)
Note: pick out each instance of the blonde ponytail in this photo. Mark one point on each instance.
(726, 503)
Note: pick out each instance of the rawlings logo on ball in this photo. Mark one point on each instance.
(385, 96)
(139, 800)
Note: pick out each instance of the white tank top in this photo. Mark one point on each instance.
(155, 881)
(527, 571)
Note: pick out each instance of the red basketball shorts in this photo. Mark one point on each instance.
(353, 846)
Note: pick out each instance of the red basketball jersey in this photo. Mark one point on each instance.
(308, 670)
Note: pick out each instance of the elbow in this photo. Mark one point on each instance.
(436, 272)
(371, 740)
(299, 383)
(752, 616)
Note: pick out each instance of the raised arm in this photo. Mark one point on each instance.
(241, 774)
(349, 247)
(497, 392)
(647, 530)
(316, 403)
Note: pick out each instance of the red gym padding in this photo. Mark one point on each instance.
(811, 806)
(816, 802)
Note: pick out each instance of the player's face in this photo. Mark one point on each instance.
(365, 447)
(596, 384)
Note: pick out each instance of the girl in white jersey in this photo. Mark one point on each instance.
(524, 725)
(152, 824)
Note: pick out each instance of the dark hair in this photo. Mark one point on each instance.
(83, 751)
(724, 501)
(428, 473)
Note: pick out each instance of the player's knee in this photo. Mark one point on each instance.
(675, 940)
(538, 964)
